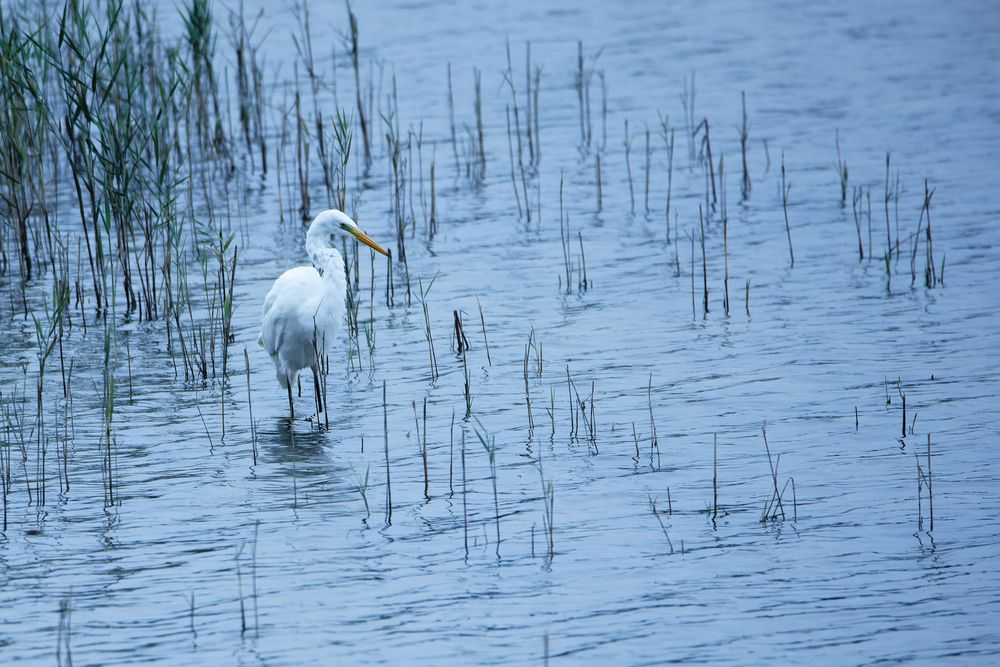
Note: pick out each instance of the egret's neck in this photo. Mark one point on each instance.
(324, 257)
(330, 263)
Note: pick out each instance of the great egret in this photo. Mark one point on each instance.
(305, 305)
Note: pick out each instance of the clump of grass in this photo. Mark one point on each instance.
(361, 486)
(774, 506)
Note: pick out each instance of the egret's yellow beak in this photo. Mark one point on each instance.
(367, 240)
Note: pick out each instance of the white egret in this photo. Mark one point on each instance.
(305, 306)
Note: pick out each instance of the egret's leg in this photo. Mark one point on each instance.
(298, 380)
(291, 405)
(316, 389)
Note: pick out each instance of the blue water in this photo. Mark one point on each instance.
(852, 574)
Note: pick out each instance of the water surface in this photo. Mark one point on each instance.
(850, 576)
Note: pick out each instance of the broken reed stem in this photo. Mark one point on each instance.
(253, 426)
(527, 392)
(886, 200)
(654, 441)
(707, 148)
(930, 482)
(565, 239)
(536, 116)
(784, 206)
(652, 508)
(451, 455)
(597, 166)
(580, 78)
(715, 476)
(649, 156)
(468, 384)
(704, 262)
(424, 452)
(527, 98)
(691, 237)
(903, 397)
(486, 342)
(725, 238)
(355, 62)
(239, 584)
(920, 493)
(841, 172)
(857, 195)
(433, 222)
(670, 176)
(513, 177)
(930, 272)
(431, 354)
(481, 172)
(451, 123)
(628, 167)
(744, 138)
(460, 340)
(388, 478)
(795, 502)
(869, 199)
(465, 506)
(253, 579)
(549, 516)
(496, 502)
(776, 498)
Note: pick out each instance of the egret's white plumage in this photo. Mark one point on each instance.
(305, 306)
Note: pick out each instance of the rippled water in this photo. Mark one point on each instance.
(848, 577)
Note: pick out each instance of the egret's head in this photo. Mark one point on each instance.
(337, 223)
